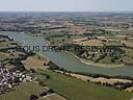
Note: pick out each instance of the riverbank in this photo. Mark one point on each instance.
(96, 64)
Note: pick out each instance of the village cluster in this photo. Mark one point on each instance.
(10, 79)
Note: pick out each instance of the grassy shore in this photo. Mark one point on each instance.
(96, 64)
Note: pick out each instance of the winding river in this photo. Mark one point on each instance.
(65, 60)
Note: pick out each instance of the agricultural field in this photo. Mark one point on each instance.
(26, 90)
(35, 62)
(22, 92)
(59, 39)
(71, 88)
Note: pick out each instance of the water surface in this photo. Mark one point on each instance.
(65, 60)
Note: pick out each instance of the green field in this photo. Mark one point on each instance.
(79, 90)
(68, 87)
(22, 92)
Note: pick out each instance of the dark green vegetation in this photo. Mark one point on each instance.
(79, 90)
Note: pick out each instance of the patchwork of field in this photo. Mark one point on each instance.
(99, 40)
(93, 42)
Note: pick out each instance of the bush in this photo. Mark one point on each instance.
(41, 83)
(33, 97)
(50, 91)
(32, 70)
(43, 94)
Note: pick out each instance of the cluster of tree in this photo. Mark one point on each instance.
(44, 93)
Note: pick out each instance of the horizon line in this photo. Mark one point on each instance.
(31, 11)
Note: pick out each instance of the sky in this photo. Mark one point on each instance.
(67, 5)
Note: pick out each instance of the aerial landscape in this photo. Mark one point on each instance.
(66, 55)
